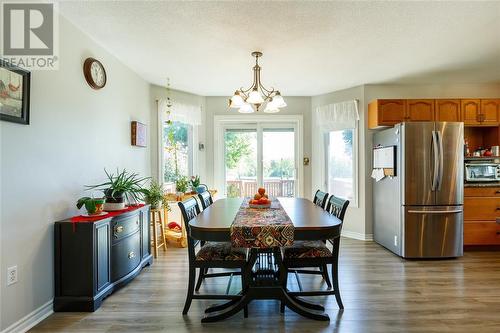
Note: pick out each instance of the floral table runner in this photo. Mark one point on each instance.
(262, 228)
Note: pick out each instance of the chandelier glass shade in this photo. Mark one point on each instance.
(251, 99)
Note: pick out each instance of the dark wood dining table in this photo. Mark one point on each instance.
(310, 223)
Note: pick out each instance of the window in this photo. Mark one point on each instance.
(177, 151)
(341, 164)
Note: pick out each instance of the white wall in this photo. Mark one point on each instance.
(75, 132)
(295, 106)
(355, 220)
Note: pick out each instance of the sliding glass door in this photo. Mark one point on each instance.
(257, 155)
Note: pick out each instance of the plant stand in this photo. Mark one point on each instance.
(156, 221)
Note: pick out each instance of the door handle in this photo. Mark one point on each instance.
(131, 255)
(435, 157)
(441, 160)
(455, 211)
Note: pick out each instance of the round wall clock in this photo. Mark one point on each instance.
(94, 73)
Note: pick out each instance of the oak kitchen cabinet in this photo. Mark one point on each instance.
(386, 112)
(490, 112)
(447, 110)
(473, 112)
(481, 210)
(419, 110)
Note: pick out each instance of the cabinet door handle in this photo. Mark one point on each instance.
(497, 192)
(498, 208)
(119, 229)
(131, 255)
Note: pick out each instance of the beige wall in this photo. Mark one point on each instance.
(295, 106)
(75, 132)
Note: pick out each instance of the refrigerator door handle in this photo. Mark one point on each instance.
(441, 160)
(435, 155)
(454, 211)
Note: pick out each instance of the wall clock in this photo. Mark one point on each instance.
(94, 72)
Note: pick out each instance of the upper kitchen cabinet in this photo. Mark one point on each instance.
(490, 112)
(419, 110)
(386, 112)
(471, 111)
(447, 110)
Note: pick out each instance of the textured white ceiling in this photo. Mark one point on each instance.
(309, 47)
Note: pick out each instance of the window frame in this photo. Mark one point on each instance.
(355, 162)
(192, 156)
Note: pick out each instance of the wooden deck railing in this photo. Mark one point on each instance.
(274, 188)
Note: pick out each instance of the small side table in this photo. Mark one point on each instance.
(158, 240)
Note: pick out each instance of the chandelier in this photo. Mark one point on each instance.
(257, 94)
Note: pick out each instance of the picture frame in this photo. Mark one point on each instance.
(15, 85)
(138, 134)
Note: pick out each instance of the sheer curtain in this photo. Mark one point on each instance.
(330, 117)
(186, 113)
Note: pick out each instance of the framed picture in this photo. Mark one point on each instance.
(138, 131)
(14, 94)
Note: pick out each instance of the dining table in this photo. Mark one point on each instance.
(266, 274)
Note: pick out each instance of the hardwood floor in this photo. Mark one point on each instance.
(381, 293)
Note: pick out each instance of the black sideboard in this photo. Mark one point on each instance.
(92, 259)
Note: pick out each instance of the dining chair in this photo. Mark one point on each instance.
(304, 254)
(210, 255)
(320, 198)
(206, 199)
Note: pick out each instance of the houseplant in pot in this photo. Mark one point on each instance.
(124, 185)
(181, 185)
(94, 206)
(153, 195)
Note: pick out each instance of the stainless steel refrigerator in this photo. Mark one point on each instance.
(418, 213)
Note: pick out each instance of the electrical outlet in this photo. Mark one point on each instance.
(11, 275)
(395, 240)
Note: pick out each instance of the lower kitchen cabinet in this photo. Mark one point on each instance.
(481, 211)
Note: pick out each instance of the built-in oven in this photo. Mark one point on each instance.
(482, 172)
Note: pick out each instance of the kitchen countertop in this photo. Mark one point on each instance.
(485, 184)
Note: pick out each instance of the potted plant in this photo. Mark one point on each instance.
(154, 195)
(119, 187)
(181, 185)
(196, 186)
(94, 206)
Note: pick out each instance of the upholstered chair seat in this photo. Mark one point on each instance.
(307, 249)
(220, 251)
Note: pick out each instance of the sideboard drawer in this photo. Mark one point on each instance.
(125, 256)
(124, 226)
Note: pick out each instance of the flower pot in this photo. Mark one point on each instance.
(94, 206)
(112, 206)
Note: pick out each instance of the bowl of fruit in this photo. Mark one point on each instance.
(260, 200)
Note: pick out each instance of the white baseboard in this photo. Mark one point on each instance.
(30, 320)
(357, 235)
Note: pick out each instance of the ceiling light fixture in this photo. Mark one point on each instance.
(257, 94)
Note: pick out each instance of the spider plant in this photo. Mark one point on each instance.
(120, 185)
(153, 195)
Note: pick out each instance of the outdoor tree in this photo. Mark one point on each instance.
(237, 147)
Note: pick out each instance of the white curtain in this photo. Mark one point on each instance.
(331, 117)
(337, 116)
(189, 114)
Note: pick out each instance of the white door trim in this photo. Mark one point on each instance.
(220, 122)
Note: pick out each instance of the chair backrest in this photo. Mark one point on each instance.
(189, 210)
(206, 199)
(337, 206)
(320, 199)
